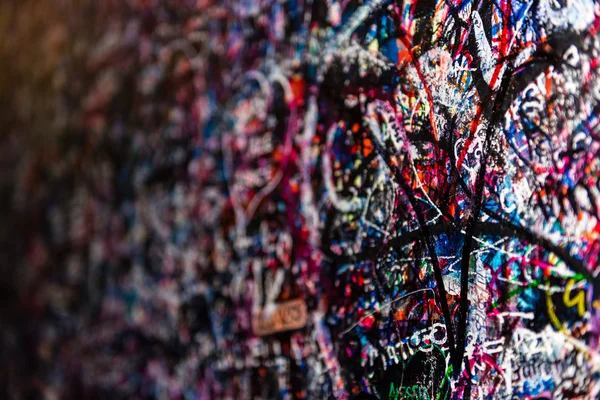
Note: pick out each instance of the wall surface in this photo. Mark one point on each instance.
(300, 199)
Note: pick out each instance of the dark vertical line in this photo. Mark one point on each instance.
(469, 231)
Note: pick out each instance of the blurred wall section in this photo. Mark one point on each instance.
(43, 47)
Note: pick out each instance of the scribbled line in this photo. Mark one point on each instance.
(383, 306)
(505, 230)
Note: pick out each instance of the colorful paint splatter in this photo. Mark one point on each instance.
(316, 199)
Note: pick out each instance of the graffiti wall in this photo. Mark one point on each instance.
(319, 199)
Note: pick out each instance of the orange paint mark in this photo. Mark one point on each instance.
(298, 88)
(548, 92)
(404, 56)
(367, 147)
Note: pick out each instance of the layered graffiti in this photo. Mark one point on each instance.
(327, 199)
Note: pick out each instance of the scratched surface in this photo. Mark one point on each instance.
(315, 199)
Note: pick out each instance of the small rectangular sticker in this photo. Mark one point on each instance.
(286, 316)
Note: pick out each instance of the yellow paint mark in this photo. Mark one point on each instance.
(577, 300)
(374, 46)
(552, 315)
